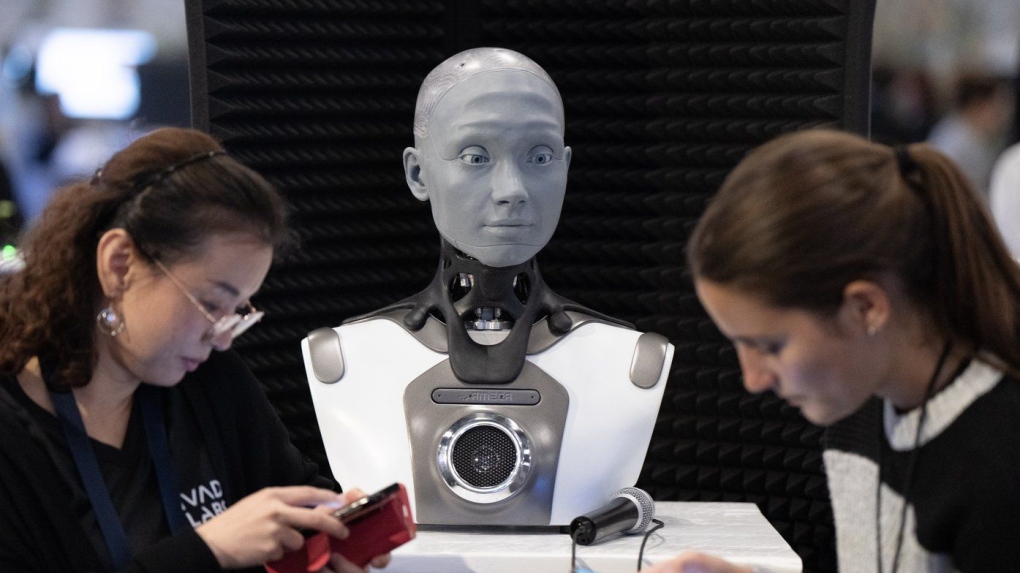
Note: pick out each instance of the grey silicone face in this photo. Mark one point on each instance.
(494, 166)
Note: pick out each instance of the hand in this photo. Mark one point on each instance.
(262, 526)
(337, 562)
(693, 562)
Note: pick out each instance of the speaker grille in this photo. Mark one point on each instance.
(485, 457)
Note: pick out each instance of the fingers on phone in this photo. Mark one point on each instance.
(340, 564)
(323, 520)
(291, 540)
(381, 561)
(306, 495)
(352, 495)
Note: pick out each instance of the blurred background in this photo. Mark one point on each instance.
(80, 78)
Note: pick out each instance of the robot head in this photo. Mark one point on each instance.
(489, 154)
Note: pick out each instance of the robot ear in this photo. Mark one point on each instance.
(413, 173)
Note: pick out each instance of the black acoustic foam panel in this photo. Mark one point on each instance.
(662, 99)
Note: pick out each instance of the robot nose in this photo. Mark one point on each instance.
(508, 186)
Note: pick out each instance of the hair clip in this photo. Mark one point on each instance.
(193, 159)
(152, 180)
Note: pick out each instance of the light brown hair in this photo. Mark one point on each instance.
(809, 212)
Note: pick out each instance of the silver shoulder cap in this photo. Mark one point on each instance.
(649, 358)
(326, 355)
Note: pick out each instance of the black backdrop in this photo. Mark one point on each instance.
(662, 97)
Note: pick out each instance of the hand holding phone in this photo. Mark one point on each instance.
(378, 523)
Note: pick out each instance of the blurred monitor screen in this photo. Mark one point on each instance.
(93, 70)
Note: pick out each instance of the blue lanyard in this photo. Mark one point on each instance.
(88, 467)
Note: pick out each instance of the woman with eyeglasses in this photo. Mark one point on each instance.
(868, 287)
(130, 438)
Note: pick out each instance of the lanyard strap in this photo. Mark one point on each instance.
(88, 468)
(159, 450)
(92, 479)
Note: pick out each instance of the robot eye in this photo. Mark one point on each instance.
(541, 155)
(474, 155)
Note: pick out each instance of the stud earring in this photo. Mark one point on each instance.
(872, 330)
(109, 322)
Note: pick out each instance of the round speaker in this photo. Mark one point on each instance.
(484, 457)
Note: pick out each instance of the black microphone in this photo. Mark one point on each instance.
(629, 511)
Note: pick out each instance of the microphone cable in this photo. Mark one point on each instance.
(573, 553)
(641, 553)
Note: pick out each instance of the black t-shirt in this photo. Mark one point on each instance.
(226, 442)
(131, 478)
(128, 472)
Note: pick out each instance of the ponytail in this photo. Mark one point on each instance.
(976, 296)
(804, 215)
(41, 306)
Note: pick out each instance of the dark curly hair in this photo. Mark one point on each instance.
(170, 190)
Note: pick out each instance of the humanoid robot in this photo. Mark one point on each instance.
(496, 401)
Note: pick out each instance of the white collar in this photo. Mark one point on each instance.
(943, 408)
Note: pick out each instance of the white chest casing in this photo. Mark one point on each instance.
(607, 429)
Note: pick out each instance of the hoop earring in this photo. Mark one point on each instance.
(109, 322)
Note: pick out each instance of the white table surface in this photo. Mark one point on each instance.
(735, 531)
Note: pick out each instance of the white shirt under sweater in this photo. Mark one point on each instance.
(964, 500)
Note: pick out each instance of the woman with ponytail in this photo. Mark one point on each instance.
(868, 287)
(131, 438)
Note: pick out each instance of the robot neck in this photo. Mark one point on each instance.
(487, 298)
(468, 295)
(473, 296)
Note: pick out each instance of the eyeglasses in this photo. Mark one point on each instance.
(236, 323)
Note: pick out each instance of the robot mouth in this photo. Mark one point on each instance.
(512, 233)
(508, 224)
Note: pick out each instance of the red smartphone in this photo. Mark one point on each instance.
(378, 523)
(359, 508)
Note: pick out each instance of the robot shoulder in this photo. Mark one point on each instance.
(325, 355)
(652, 354)
(325, 348)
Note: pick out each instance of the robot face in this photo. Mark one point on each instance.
(494, 165)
